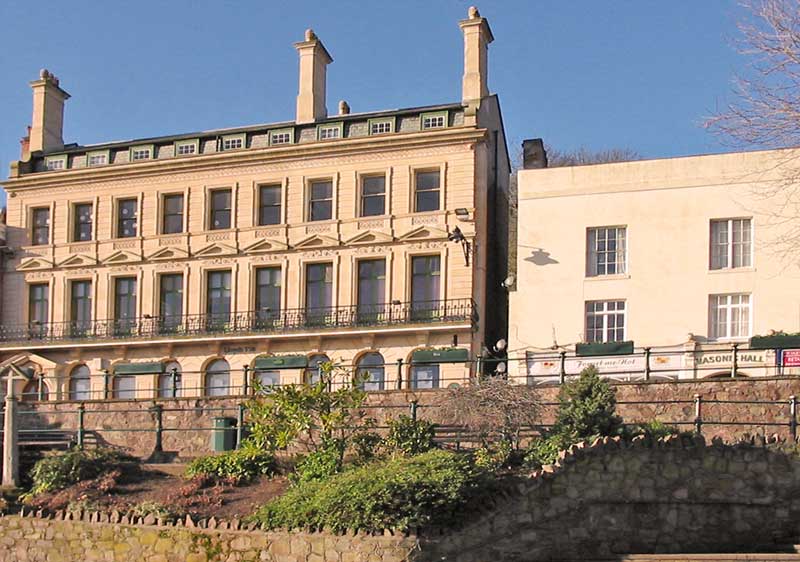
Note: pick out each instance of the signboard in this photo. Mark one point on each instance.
(547, 368)
(791, 357)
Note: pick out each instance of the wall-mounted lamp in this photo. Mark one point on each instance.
(462, 213)
(457, 236)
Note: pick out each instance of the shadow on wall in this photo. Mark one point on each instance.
(539, 256)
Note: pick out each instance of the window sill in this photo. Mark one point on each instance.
(725, 270)
(615, 277)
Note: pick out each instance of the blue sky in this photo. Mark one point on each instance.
(600, 74)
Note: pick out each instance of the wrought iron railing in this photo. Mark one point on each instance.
(263, 321)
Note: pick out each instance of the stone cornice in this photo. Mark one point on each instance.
(249, 157)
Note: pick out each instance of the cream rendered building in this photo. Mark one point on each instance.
(686, 256)
(271, 247)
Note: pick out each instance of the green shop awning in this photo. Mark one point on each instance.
(281, 362)
(777, 341)
(610, 348)
(139, 368)
(451, 355)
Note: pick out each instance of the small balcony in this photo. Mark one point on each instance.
(386, 315)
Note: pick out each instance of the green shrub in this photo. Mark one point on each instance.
(159, 511)
(58, 471)
(492, 458)
(653, 430)
(319, 464)
(238, 465)
(431, 488)
(366, 446)
(586, 409)
(409, 437)
(543, 450)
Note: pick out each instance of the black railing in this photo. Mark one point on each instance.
(263, 321)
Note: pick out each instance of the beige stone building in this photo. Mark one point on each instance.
(686, 256)
(374, 240)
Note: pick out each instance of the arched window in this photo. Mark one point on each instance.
(123, 387)
(312, 373)
(79, 383)
(218, 378)
(165, 380)
(266, 379)
(30, 392)
(370, 371)
(425, 376)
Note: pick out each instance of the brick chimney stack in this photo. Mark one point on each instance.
(477, 36)
(47, 123)
(314, 59)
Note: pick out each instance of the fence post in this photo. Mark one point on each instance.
(400, 373)
(793, 417)
(245, 386)
(105, 384)
(157, 413)
(562, 372)
(174, 381)
(10, 439)
(81, 412)
(41, 388)
(413, 408)
(647, 363)
(698, 414)
(735, 361)
(239, 426)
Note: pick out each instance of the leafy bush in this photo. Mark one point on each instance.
(319, 464)
(653, 430)
(238, 465)
(431, 488)
(543, 450)
(366, 446)
(492, 458)
(409, 437)
(63, 469)
(586, 409)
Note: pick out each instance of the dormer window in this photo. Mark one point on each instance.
(436, 120)
(187, 147)
(381, 126)
(141, 153)
(330, 131)
(98, 158)
(56, 162)
(282, 136)
(232, 142)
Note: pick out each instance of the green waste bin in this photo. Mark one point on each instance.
(223, 438)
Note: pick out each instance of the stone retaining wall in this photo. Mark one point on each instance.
(188, 422)
(612, 498)
(34, 539)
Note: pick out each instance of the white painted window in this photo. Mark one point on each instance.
(141, 154)
(606, 251)
(605, 321)
(731, 243)
(232, 143)
(185, 148)
(434, 120)
(98, 159)
(57, 163)
(280, 137)
(326, 133)
(729, 316)
(380, 127)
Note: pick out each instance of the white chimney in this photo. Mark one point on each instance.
(477, 36)
(47, 123)
(314, 59)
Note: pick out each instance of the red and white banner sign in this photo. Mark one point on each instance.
(791, 357)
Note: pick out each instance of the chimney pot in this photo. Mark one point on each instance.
(534, 154)
(344, 108)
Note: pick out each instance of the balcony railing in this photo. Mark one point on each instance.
(256, 322)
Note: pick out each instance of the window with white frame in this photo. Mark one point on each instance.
(605, 321)
(605, 251)
(327, 132)
(380, 127)
(55, 163)
(731, 243)
(280, 137)
(97, 159)
(729, 316)
(434, 120)
(233, 143)
(141, 153)
(186, 148)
